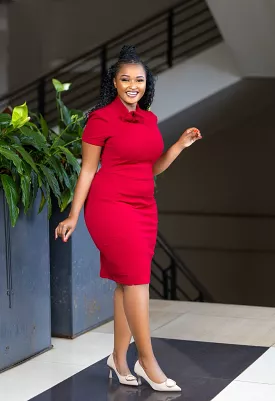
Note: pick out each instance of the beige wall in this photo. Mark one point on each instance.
(248, 28)
(230, 172)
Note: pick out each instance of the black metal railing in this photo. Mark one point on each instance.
(167, 281)
(170, 37)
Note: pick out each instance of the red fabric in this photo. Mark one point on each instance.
(120, 210)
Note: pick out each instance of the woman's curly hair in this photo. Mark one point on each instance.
(108, 92)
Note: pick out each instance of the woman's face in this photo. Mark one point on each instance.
(130, 83)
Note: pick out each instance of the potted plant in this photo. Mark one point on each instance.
(37, 170)
(24, 245)
(80, 299)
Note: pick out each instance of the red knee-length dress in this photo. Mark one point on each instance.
(120, 209)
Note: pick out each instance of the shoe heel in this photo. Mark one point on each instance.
(139, 380)
(110, 374)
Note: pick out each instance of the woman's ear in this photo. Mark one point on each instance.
(114, 81)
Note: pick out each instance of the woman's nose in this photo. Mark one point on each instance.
(133, 85)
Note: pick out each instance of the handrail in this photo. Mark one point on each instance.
(89, 52)
(178, 265)
(204, 293)
(163, 40)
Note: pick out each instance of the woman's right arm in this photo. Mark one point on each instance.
(90, 161)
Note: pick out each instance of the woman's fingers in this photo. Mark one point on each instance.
(194, 132)
(68, 234)
(64, 231)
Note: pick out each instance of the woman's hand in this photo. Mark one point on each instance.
(189, 136)
(66, 228)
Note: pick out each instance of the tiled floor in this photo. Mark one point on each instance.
(207, 326)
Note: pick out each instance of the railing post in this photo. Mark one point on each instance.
(165, 285)
(173, 269)
(41, 97)
(103, 61)
(170, 38)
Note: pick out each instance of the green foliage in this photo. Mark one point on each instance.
(37, 159)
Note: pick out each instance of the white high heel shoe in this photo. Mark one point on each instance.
(168, 385)
(129, 380)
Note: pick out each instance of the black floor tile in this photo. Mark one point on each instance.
(205, 359)
(201, 369)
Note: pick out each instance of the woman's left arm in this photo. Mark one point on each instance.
(189, 136)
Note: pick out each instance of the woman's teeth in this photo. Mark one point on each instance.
(132, 94)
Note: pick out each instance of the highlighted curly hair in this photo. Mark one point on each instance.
(108, 92)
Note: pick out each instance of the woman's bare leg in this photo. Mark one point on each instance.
(136, 307)
(122, 333)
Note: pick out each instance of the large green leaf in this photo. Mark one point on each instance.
(44, 127)
(5, 120)
(65, 115)
(47, 193)
(66, 199)
(25, 181)
(68, 137)
(26, 156)
(20, 116)
(14, 140)
(26, 168)
(34, 190)
(66, 179)
(59, 87)
(5, 164)
(51, 180)
(70, 158)
(34, 138)
(11, 155)
(12, 197)
(73, 179)
(55, 164)
(42, 201)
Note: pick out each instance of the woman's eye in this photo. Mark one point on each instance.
(140, 80)
(124, 79)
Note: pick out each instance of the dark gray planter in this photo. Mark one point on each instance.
(24, 286)
(81, 300)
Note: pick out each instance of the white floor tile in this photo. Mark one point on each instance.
(242, 311)
(83, 351)
(107, 328)
(239, 391)
(161, 318)
(219, 329)
(211, 309)
(170, 306)
(158, 318)
(261, 371)
(32, 378)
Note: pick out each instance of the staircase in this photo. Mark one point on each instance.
(167, 279)
(163, 41)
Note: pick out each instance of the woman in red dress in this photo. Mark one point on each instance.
(119, 204)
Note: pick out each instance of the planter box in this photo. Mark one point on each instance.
(24, 286)
(81, 300)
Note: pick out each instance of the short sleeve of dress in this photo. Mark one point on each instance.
(96, 130)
